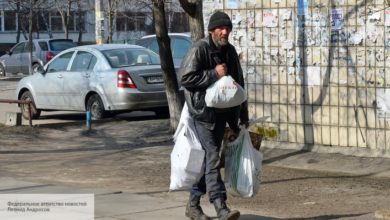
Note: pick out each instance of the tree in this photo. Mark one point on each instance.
(64, 8)
(194, 8)
(175, 101)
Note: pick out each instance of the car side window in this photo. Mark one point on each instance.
(27, 48)
(180, 48)
(60, 63)
(43, 45)
(83, 61)
(18, 48)
(154, 46)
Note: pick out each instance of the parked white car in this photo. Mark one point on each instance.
(180, 44)
(97, 78)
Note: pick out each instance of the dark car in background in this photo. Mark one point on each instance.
(16, 60)
(180, 44)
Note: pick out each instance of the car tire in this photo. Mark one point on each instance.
(96, 107)
(35, 113)
(2, 70)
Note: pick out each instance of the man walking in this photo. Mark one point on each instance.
(208, 60)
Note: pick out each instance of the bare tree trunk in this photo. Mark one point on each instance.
(194, 8)
(110, 30)
(79, 22)
(18, 21)
(175, 101)
(48, 28)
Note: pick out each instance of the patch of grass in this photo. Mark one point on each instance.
(266, 132)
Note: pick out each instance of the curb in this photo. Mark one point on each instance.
(11, 78)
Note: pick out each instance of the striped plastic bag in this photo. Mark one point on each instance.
(243, 166)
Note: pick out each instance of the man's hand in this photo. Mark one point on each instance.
(245, 123)
(221, 70)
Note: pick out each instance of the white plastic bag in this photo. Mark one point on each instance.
(225, 93)
(243, 166)
(187, 156)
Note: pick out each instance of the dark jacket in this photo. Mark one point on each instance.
(198, 73)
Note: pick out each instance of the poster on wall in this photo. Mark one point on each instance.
(313, 76)
(270, 18)
(337, 19)
(303, 7)
(383, 103)
(387, 17)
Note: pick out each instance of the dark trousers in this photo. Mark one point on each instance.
(211, 140)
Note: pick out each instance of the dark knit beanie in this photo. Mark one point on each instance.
(219, 19)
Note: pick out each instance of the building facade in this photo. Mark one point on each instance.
(130, 21)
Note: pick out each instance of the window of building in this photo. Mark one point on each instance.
(1, 21)
(10, 19)
(43, 21)
(55, 22)
(130, 22)
(121, 23)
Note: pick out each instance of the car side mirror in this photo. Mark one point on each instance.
(9, 52)
(39, 69)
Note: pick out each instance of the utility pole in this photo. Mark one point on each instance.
(99, 21)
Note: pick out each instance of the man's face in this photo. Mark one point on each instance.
(220, 35)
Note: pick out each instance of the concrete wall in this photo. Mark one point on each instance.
(319, 69)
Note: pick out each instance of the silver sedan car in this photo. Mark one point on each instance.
(97, 78)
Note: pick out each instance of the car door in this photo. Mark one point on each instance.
(12, 62)
(51, 91)
(25, 58)
(76, 80)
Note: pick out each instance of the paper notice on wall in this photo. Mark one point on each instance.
(270, 19)
(375, 15)
(313, 76)
(337, 19)
(383, 103)
(286, 14)
(288, 44)
(387, 17)
(356, 38)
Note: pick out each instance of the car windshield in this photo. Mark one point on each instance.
(59, 45)
(122, 57)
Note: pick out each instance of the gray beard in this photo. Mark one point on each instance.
(221, 42)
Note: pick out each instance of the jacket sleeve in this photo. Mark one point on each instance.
(193, 71)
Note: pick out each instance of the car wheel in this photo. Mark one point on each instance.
(2, 70)
(96, 107)
(35, 113)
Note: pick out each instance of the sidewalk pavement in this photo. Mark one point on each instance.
(114, 205)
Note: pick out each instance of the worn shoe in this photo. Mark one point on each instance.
(223, 212)
(193, 209)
